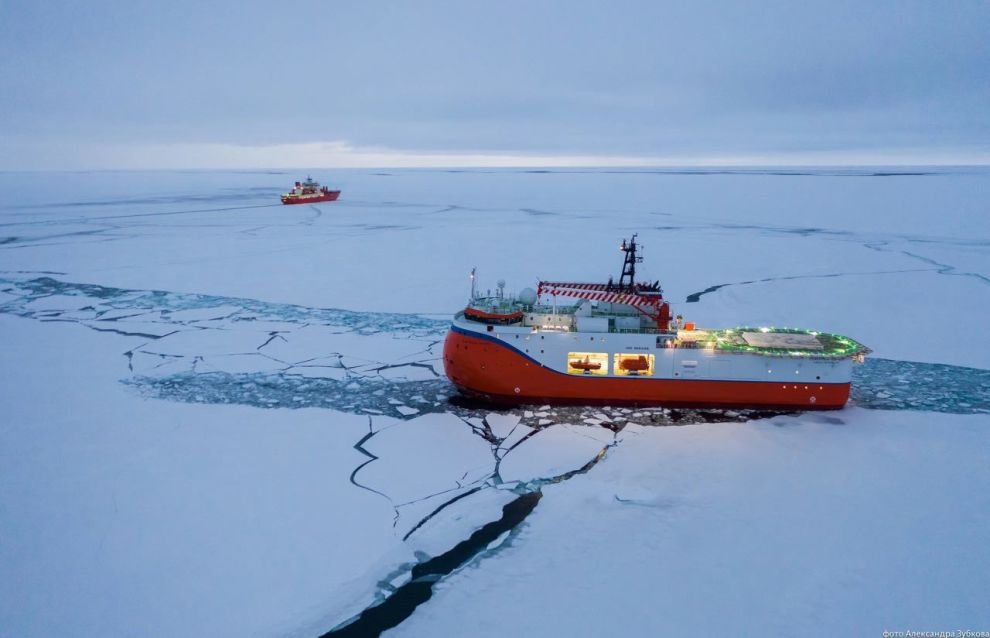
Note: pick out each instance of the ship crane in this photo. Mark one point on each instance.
(644, 297)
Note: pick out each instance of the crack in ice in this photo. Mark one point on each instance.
(696, 296)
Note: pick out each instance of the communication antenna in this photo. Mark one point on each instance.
(629, 266)
(473, 280)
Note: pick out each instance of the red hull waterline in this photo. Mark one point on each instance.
(328, 197)
(500, 374)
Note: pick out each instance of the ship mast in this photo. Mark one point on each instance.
(647, 298)
(629, 266)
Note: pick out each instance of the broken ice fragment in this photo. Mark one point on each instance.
(502, 424)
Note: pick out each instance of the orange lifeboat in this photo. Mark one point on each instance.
(639, 364)
(587, 365)
(492, 317)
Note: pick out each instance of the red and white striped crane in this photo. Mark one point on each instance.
(646, 298)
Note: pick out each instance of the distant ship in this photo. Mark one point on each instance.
(309, 192)
(619, 345)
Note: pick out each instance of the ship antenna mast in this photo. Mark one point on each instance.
(629, 266)
(473, 280)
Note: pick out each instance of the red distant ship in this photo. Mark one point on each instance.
(309, 192)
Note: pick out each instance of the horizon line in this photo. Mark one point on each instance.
(341, 154)
(516, 167)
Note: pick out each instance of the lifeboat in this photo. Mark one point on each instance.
(587, 365)
(494, 316)
(639, 364)
(309, 192)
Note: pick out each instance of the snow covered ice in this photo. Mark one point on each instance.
(222, 416)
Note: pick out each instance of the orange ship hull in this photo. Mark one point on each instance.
(491, 370)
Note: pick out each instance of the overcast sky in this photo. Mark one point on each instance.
(144, 84)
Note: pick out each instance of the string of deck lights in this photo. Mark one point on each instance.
(834, 346)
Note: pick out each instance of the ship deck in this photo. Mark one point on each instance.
(783, 342)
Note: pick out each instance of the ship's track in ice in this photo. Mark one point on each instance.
(259, 365)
